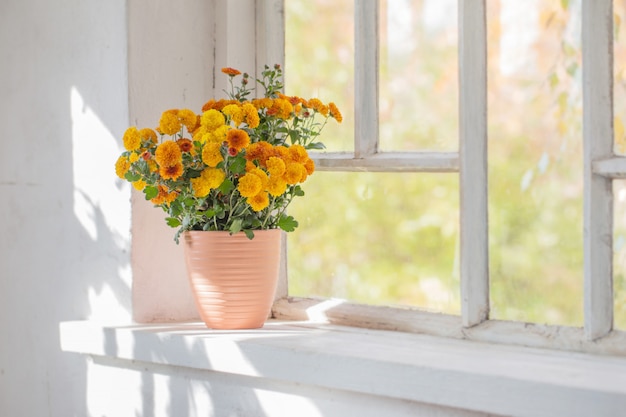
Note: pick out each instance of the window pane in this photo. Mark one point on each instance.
(377, 238)
(535, 161)
(319, 60)
(418, 75)
(619, 254)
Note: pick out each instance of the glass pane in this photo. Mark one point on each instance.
(619, 254)
(535, 161)
(378, 238)
(619, 84)
(319, 61)
(418, 75)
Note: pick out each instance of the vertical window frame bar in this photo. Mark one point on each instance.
(597, 58)
(473, 162)
(366, 69)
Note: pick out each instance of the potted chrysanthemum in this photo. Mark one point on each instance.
(232, 169)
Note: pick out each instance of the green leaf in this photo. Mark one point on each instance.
(172, 221)
(151, 191)
(298, 191)
(287, 223)
(238, 166)
(235, 227)
(132, 177)
(175, 208)
(316, 145)
(189, 202)
(227, 186)
(249, 233)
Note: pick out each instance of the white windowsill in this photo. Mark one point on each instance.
(490, 378)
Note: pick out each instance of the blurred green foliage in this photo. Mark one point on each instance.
(389, 238)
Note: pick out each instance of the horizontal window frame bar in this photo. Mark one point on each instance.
(420, 161)
(614, 167)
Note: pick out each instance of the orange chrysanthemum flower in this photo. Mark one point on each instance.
(185, 145)
(309, 165)
(231, 71)
(251, 115)
(237, 139)
(168, 154)
(171, 172)
(334, 112)
(164, 196)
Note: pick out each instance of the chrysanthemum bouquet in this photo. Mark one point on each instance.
(234, 167)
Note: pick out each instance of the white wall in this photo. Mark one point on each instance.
(64, 219)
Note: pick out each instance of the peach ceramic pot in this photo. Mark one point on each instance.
(233, 279)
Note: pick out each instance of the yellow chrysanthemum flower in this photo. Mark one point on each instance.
(276, 186)
(209, 179)
(251, 115)
(133, 157)
(139, 185)
(262, 103)
(237, 139)
(211, 154)
(275, 166)
(262, 176)
(218, 135)
(235, 113)
(171, 172)
(297, 153)
(168, 154)
(148, 134)
(188, 118)
(212, 119)
(281, 152)
(249, 185)
(169, 123)
(259, 201)
(294, 173)
(152, 166)
(122, 165)
(131, 139)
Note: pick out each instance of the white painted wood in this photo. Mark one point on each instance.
(597, 44)
(366, 78)
(486, 378)
(614, 167)
(270, 50)
(411, 320)
(388, 162)
(270, 34)
(473, 162)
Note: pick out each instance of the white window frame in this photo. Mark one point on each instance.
(601, 166)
